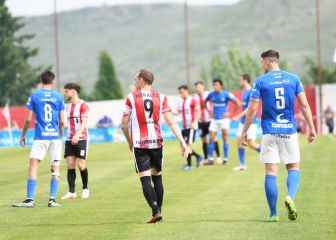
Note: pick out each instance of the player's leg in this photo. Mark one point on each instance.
(225, 136)
(186, 136)
(192, 138)
(156, 171)
(251, 138)
(143, 167)
(291, 156)
(270, 157)
(211, 146)
(85, 177)
(204, 127)
(38, 152)
(55, 152)
(241, 150)
(71, 177)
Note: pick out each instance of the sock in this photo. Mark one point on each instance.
(71, 179)
(293, 180)
(241, 154)
(158, 187)
(31, 188)
(258, 149)
(205, 150)
(189, 160)
(211, 149)
(217, 149)
(85, 175)
(193, 153)
(149, 194)
(53, 187)
(226, 150)
(271, 191)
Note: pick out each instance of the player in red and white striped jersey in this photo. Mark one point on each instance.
(144, 109)
(76, 145)
(190, 112)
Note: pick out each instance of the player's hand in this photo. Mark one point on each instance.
(75, 139)
(186, 151)
(311, 136)
(195, 125)
(22, 141)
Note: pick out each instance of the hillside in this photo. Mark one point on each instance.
(153, 36)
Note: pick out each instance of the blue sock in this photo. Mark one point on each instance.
(293, 180)
(258, 149)
(271, 191)
(53, 187)
(211, 149)
(241, 154)
(31, 187)
(226, 150)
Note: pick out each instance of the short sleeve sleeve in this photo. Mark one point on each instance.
(30, 103)
(299, 87)
(195, 103)
(128, 106)
(62, 104)
(255, 92)
(231, 97)
(165, 105)
(84, 110)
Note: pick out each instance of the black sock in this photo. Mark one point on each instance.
(217, 149)
(205, 150)
(85, 178)
(158, 187)
(149, 194)
(193, 153)
(189, 160)
(71, 179)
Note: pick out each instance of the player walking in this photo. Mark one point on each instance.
(245, 85)
(220, 121)
(48, 107)
(76, 145)
(190, 112)
(278, 91)
(141, 126)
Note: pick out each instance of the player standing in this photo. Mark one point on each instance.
(245, 85)
(190, 112)
(141, 126)
(220, 121)
(48, 107)
(278, 91)
(76, 145)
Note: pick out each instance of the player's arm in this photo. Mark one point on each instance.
(197, 110)
(251, 112)
(176, 130)
(83, 127)
(62, 123)
(240, 115)
(306, 111)
(25, 128)
(124, 127)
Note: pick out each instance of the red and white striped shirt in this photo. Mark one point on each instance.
(75, 114)
(205, 115)
(145, 108)
(188, 107)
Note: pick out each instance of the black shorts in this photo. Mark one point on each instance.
(188, 135)
(76, 150)
(146, 159)
(204, 128)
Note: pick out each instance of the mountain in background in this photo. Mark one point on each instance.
(152, 36)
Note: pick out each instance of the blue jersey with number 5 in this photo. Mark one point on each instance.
(46, 105)
(278, 91)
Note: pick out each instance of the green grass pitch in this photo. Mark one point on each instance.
(208, 203)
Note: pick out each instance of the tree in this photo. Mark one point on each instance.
(108, 86)
(17, 76)
(328, 73)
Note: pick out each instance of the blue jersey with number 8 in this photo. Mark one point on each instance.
(46, 105)
(278, 91)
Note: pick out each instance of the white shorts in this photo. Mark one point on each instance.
(280, 147)
(251, 132)
(41, 147)
(218, 125)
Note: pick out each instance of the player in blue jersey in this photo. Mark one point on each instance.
(278, 91)
(48, 107)
(245, 85)
(219, 100)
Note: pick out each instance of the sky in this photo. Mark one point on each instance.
(43, 7)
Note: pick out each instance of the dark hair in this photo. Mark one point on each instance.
(218, 80)
(270, 54)
(246, 77)
(73, 86)
(147, 76)
(47, 77)
(184, 87)
(199, 83)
